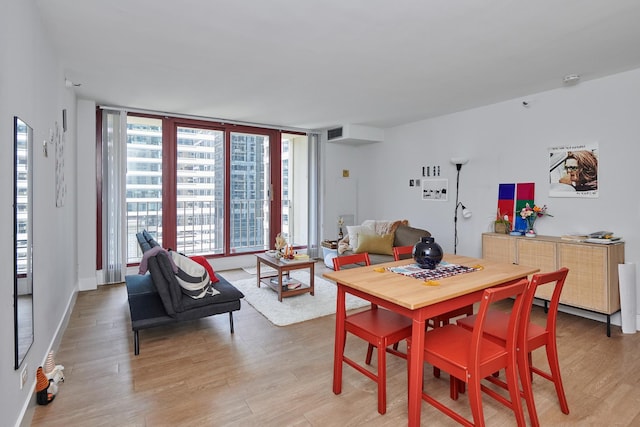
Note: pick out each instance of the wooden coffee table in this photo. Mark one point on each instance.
(283, 268)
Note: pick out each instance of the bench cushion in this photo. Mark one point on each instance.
(145, 305)
(228, 293)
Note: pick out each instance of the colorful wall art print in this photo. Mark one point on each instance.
(512, 198)
(435, 189)
(573, 171)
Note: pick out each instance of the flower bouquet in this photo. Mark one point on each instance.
(501, 224)
(530, 215)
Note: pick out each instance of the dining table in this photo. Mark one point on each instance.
(418, 299)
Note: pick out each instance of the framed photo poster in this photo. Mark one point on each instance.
(573, 171)
(435, 189)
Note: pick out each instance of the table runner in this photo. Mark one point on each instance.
(444, 269)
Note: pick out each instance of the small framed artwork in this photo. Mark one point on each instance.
(64, 120)
(435, 189)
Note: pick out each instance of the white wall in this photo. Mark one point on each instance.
(506, 142)
(340, 195)
(87, 187)
(32, 87)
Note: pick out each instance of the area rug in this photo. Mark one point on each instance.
(298, 308)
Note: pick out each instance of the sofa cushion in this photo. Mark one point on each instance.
(161, 284)
(375, 244)
(226, 293)
(145, 304)
(353, 231)
(408, 236)
(174, 289)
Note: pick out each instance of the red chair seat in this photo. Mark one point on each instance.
(378, 323)
(496, 326)
(449, 345)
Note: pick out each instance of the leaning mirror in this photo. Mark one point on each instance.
(22, 238)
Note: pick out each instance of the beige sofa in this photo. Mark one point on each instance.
(378, 239)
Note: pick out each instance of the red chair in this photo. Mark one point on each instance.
(535, 336)
(404, 252)
(470, 357)
(380, 328)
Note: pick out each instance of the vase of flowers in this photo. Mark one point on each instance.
(340, 224)
(530, 215)
(501, 224)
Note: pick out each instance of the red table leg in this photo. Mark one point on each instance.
(416, 371)
(340, 340)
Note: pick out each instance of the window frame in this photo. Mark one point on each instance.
(170, 125)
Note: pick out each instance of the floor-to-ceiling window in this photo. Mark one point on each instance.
(143, 181)
(250, 210)
(211, 188)
(200, 190)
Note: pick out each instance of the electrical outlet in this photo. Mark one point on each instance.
(23, 376)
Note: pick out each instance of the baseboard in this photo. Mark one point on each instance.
(28, 409)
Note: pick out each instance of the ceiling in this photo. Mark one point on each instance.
(315, 64)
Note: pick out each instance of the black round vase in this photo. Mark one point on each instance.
(427, 253)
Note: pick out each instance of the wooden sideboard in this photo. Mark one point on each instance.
(592, 283)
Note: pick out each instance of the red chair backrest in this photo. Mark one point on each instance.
(542, 279)
(361, 258)
(490, 296)
(398, 251)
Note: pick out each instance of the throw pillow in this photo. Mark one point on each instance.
(192, 277)
(356, 230)
(203, 262)
(375, 244)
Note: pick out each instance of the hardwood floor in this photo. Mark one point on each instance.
(198, 374)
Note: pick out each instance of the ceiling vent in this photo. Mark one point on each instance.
(355, 134)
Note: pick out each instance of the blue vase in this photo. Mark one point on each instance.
(427, 253)
(530, 230)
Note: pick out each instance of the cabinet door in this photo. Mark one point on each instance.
(541, 254)
(499, 248)
(587, 282)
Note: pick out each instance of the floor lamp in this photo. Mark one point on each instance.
(466, 213)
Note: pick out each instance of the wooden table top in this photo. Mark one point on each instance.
(279, 263)
(412, 293)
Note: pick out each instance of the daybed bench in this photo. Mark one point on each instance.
(156, 299)
(378, 239)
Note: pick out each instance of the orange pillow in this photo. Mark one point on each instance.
(203, 262)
